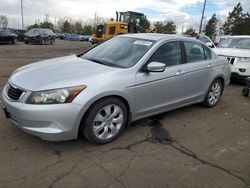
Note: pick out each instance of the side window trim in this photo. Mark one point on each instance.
(205, 48)
(183, 53)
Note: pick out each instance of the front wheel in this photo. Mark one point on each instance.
(245, 92)
(105, 120)
(213, 94)
(42, 42)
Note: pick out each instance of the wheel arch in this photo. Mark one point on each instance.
(221, 78)
(89, 106)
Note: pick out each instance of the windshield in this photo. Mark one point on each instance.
(242, 43)
(33, 32)
(120, 52)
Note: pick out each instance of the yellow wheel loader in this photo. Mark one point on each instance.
(126, 22)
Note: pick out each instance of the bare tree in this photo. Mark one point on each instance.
(3, 21)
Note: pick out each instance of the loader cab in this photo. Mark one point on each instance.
(134, 20)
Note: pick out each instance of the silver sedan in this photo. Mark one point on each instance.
(99, 92)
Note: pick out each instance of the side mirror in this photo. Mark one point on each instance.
(156, 67)
(210, 44)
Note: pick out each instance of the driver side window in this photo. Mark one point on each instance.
(169, 54)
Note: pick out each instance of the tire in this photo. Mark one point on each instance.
(245, 92)
(26, 42)
(214, 93)
(99, 118)
(52, 42)
(42, 42)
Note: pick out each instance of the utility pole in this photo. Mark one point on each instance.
(22, 13)
(95, 19)
(204, 6)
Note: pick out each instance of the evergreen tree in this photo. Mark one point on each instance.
(190, 31)
(210, 29)
(167, 27)
(234, 20)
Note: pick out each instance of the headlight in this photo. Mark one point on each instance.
(244, 60)
(55, 96)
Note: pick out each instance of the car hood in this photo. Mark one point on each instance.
(58, 73)
(232, 52)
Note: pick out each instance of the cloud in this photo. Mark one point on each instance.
(85, 9)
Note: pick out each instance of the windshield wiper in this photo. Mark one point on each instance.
(104, 63)
(96, 61)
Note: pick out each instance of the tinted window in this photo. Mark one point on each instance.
(194, 52)
(169, 53)
(207, 52)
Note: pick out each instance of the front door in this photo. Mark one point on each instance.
(157, 91)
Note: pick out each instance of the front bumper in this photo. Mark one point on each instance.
(238, 77)
(49, 122)
(32, 40)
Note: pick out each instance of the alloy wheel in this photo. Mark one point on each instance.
(108, 122)
(214, 93)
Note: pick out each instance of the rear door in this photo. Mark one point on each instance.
(158, 91)
(198, 72)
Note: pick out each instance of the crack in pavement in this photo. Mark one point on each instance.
(182, 149)
(161, 135)
(62, 176)
(114, 177)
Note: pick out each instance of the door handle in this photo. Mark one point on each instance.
(179, 72)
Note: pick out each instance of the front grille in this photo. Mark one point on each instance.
(231, 60)
(14, 93)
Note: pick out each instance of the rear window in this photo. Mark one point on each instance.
(194, 52)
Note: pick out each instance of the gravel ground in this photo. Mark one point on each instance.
(189, 147)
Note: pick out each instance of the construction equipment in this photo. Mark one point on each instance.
(126, 22)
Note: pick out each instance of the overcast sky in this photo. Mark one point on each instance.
(182, 12)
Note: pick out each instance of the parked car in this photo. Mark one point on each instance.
(73, 37)
(219, 39)
(206, 40)
(61, 36)
(126, 78)
(237, 50)
(85, 38)
(40, 36)
(6, 36)
(20, 33)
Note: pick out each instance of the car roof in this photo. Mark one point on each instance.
(155, 36)
(239, 36)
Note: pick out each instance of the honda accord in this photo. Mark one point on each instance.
(99, 92)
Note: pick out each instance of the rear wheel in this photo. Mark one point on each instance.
(213, 94)
(42, 42)
(105, 120)
(14, 41)
(245, 92)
